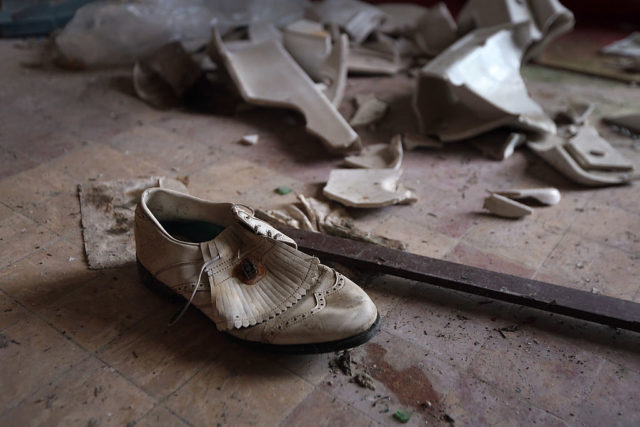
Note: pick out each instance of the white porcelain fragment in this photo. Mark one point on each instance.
(251, 139)
(475, 86)
(594, 153)
(628, 46)
(553, 151)
(369, 110)
(357, 18)
(547, 196)
(333, 72)
(367, 188)
(505, 207)
(576, 113)
(499, 145)
(309, 44)
(363, 60)
(435, 30)
(545, 19)
(265, 74)
(378, 156)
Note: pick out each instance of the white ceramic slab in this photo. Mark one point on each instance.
(475, 86)
(265, 74)
(369, 110)
(594, 153)
(367, 188)
(378, 156)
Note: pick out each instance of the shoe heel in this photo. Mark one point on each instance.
(155, 285)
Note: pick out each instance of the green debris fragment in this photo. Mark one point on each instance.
(283, 189)
(403, 415)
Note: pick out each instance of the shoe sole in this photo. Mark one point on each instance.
(326, 347)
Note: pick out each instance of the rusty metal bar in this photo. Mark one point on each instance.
(504, 287)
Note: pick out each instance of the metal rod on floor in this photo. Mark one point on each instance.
(504, 287)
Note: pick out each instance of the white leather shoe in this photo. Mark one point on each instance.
(259, 288)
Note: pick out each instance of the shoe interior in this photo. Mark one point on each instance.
(192, 231)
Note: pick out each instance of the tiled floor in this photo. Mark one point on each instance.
(82, 347)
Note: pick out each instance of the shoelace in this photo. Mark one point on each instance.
(206, 264)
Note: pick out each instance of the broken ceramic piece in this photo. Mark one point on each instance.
(309, 44)
(475, 86)
(505, 207)
(545, 19)
(378, 156)
(628, 124)
(163, 78)
(576, 113)
(357, 18)
(265, 74)
(363, 60)
(594, 153)
(411, 141)
(628, 46)
(324, 217)
(553, 151)
(333, 72)
(369, 110)
(367, 188)
(547, 196)
(500, 144)
(401, 18)
(435, 30)
(250, 139)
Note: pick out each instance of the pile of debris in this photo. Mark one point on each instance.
(298, 56)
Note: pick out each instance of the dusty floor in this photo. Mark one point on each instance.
(91, 348)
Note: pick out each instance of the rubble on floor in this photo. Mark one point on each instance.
(107, 210)
(506, 207)
(369, 110)
(367, 188)
(312, 214)
(378, 156)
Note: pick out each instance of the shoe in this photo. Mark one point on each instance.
(258, 287)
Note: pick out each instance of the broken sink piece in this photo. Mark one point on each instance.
(576, 113)
(435, 30)
(628, 46)
(545, 20)
(333, 72)
(505, 207)
(369, 110)
(547, 196)
(378, 156)
(553, 151)
(367, 188)
(500, 144)
(265, 74)
(594, 153)
(357, 18)
(308, 43)
(250, 139)
(475, 86)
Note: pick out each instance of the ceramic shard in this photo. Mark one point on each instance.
(576, 113)
(333, 72)
(265, 74)
(545, 20)
(367, 188)
(505, 207)
(499, 144)
(629, 46)
(309, 44)
(435, 30)
(401, 18)
(547, 196)
(594, 153)
(475, 86)
(363, 60)
(251, 139)
(369, 110)
(378, 156)
(357, 18)
(553, 151)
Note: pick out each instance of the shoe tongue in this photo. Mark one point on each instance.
(247, 218)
